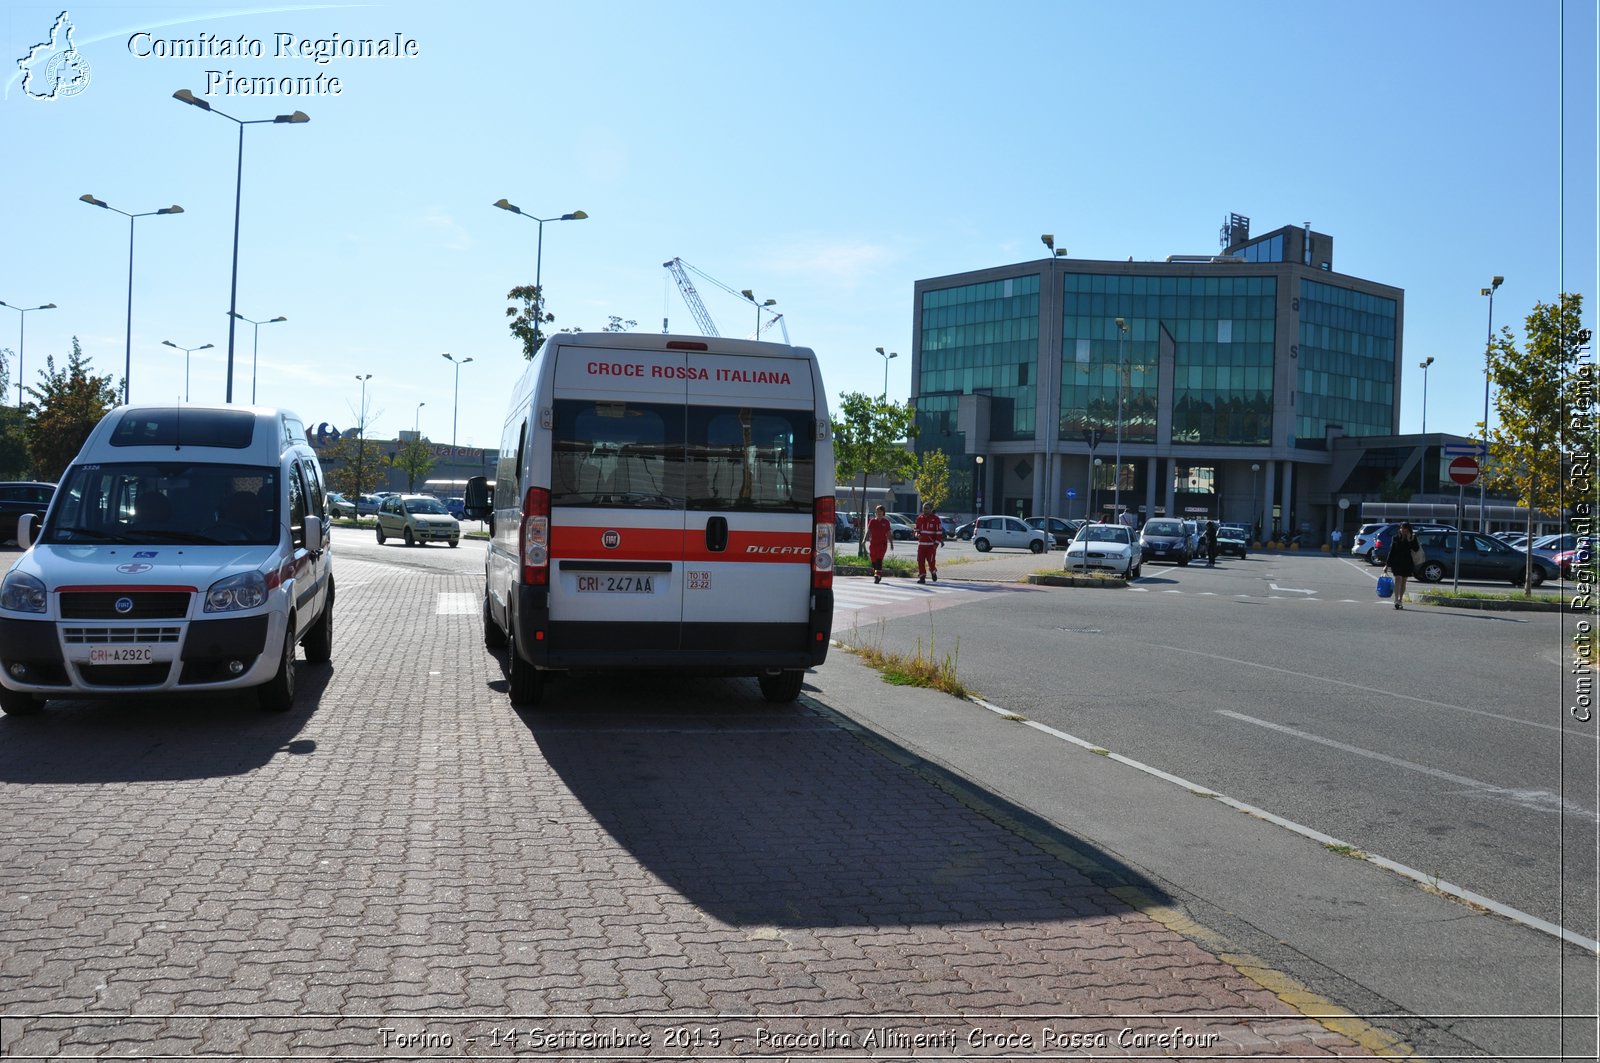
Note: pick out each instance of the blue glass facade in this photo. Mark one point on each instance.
(983, 338)
(1345, 364)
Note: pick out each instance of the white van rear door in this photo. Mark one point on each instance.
(616, 490)
(751, 485)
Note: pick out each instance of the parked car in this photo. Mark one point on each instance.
(1062, 532)
(1193, 530)
(417, 519)
(844, 529)
(1377, 547)
(1233, 539)
(1007, 533)
(949, 526)
(457, 507)
(1580, 555)
(1107, 547)
(902, 528)
(1166, 539)
(964, 531)
(19, 497)
(1483, 557)
(1551, 545)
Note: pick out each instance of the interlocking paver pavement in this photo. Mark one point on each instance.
(406, 867)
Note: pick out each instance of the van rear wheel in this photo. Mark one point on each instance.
(494, 636)
(319, 640)
(525, 681)
(783, 687)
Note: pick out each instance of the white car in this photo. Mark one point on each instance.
(1108, 547)
(1009, 532)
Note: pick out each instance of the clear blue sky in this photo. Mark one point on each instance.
(825, 154)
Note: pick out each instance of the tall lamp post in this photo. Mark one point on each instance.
(22, 338)
(298, 118)
(538, 255)
(456, 408)
(748, 294)
(886, 358)
(186, 352)
(127, 357)
(255, 347)
(978, 461)
(416, 426)
(1116, 491)
(361, 440)
(1255, 496)
(1488, 348)
(1422, 482)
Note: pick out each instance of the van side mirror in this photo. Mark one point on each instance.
(478, 501)
(25, 528)
(316, 534)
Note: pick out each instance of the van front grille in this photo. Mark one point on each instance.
(143, 605)
(99, 636)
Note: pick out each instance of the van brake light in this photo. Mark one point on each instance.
(534, 537)
(822, 514)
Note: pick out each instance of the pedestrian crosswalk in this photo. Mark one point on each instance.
(857, 599)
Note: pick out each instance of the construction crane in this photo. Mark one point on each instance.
(680, 271)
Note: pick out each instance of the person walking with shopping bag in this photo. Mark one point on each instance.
(1403, 561)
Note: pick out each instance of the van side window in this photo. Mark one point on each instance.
(316, 495)
(750, 459)
(508, 469)
(297, 507)
(622, 454)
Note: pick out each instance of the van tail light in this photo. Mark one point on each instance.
(822, 514)
(533, 538)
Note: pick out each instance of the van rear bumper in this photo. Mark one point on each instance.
(721, 648)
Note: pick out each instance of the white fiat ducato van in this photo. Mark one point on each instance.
(662, 502)
(186, 550)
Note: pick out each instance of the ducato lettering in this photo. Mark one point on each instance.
(783, 551)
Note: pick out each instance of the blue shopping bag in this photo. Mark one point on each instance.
(1385, 586)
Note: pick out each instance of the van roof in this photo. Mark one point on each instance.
(253, 434)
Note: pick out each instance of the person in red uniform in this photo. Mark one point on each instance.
(930, 533)
(879, 538)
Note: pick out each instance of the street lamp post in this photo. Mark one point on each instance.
(1255, 495)
(538, 257)
(886, 358)
(297, 118)
(22, 338)
(416, 427)
(1116, 495)
(1049, 242)
(1422, 482)
(1488, 348)
(978, 490)
(748, 294)
(361, 441)
(255, 346)
(127, 357)
(186, 352)
(455, 409)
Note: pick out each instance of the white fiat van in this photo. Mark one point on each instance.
(662, 502)
(185, 551)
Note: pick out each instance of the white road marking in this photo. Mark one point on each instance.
(1538, 800)
(1431, 881)
(455, 604)
(1292, 590)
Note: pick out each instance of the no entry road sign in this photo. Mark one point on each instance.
(1464, 470)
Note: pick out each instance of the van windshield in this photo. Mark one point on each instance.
(166, 502)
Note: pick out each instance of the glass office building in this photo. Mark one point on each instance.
(1200, 386)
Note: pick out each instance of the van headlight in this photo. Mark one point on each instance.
(22, 593)
(247, 590)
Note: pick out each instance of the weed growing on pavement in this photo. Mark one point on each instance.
(1345, 850)
(921, 669)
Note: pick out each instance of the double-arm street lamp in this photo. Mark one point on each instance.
(297, 118)
(1488, 349)
(759, 305)
(1049, 242)
(538, 255)
(886, 358)
(456, 407)
(127, 357)
(186, 352)
(255, 346)
(22, 338)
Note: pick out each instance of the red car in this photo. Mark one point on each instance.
(1581, 554)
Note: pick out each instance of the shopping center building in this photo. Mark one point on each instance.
(1235, 386)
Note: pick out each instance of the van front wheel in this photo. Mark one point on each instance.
(16, 703)
(783, 687)
(277, 694)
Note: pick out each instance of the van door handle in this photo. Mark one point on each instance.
(717, 534)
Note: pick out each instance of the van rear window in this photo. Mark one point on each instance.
(174, 426)
(660, 455)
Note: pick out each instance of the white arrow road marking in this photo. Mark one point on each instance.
(1538, 800)
(1292, 590)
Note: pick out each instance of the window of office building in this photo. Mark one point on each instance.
(983, 338)
(1344, 374)
(1221, 330)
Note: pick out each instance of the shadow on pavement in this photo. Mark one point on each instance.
(147, 739)
(772, 815)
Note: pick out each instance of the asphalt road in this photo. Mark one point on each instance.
(1438, 738)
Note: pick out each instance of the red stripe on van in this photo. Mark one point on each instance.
(672, 544)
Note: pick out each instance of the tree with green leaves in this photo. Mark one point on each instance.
(528, 320)
(353, 466)
(66, 406)
(869, 436)
(933, 477)
(1541, 394)
(415, 459)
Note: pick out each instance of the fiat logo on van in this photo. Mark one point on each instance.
(124, 605)
(611, 539)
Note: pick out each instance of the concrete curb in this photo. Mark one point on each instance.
(1506, 605)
